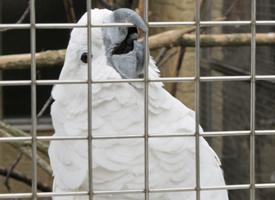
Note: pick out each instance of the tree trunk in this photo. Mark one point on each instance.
(177, 10)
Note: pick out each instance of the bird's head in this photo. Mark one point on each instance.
(117, 47)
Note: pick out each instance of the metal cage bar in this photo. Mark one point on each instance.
(164, 79)
(33, 99)
(161, 190)
(89, 100)
(133, 136)
(197, 99)
(150, 24)
(253, 99)
(146, 106)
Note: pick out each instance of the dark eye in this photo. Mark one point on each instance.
(84, 57)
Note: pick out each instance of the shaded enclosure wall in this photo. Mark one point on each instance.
(236, 101)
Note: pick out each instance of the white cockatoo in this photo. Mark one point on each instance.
(117, 110)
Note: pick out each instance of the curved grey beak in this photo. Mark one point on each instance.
(123, 51)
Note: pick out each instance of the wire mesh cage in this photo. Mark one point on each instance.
(222, 68)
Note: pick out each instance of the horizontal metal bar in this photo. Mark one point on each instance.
(162, 190)
(15, 195)
(234, 23)
(59, 25)
(158, 24)
(227, 187)
(15, 83)
(118, 192)
(175, 135)
(52, 194)
(55, 82)
(41, 194)
(150, 24)
(15, 139)
(52, 138)
(265, 185)
(224, 78)
(51, 82)
(106, 137)
(223, 23)
(15, 26)
(225, 133)
(264, 132)
(74, 25)
(265, 77)
(118, 81)
(265, 22)
(164, 80)
(173, 79)
(171, 24)
(42, 138)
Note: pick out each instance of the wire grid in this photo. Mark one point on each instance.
(197, 79)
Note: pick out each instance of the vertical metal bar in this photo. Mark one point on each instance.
(33, 99)
(146, 108)
(89, 100)
(197, 98)
(253, 99)
(1, 75)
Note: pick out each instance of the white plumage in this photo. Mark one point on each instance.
(118, 109)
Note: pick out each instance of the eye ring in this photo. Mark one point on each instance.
(84, 57)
